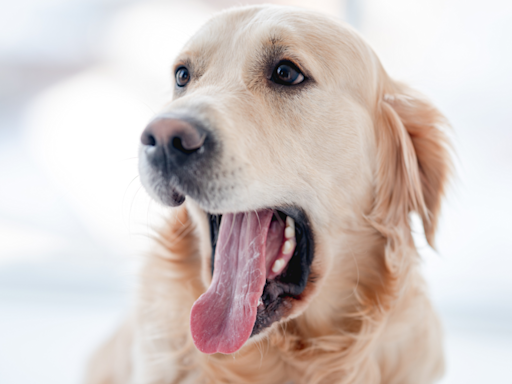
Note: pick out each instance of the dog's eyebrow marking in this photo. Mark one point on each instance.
(272, 49)
(183, 61)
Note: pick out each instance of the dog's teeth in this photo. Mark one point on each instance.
(278, 265)
(287, 247)
(260, 302)
(289, 232)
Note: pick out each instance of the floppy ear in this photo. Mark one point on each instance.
(413, 160)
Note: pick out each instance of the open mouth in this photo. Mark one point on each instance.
(260, 265)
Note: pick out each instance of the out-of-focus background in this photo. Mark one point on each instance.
(79, 79)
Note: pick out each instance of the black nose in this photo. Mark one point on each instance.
(173, 140)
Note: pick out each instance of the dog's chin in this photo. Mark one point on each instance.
(159, 188)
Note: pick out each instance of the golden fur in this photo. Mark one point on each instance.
(358, 152)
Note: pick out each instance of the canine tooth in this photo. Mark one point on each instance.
(287, 247)
(290, 222)
(289, 232)
(260, 302)
(278, 265)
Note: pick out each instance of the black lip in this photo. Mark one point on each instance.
(173, 198)
(279, 294)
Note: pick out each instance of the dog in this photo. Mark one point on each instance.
(292, 163)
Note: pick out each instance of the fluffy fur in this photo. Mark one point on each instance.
(358, 152)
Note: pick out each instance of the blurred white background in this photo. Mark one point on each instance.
(79, 79)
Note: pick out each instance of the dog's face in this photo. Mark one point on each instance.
(271, 138)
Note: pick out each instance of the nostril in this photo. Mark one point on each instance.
(177, 143)
(148, 139)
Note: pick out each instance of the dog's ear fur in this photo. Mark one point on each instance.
(413, 159)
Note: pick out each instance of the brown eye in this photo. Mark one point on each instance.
(287, 73)
(182, 76)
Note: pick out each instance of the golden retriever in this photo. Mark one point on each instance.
(295, 162)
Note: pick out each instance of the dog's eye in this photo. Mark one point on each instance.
(182, 76)
(287, 73)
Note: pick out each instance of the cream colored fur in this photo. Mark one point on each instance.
(358, 152)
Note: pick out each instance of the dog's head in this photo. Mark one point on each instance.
(296, 153)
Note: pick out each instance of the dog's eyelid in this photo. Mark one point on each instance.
(297, 63)
(293, 61)
(179, 65)
(182, 62)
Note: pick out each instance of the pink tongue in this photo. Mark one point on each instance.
(223, 317)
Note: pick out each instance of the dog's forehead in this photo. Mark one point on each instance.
(243, 31)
